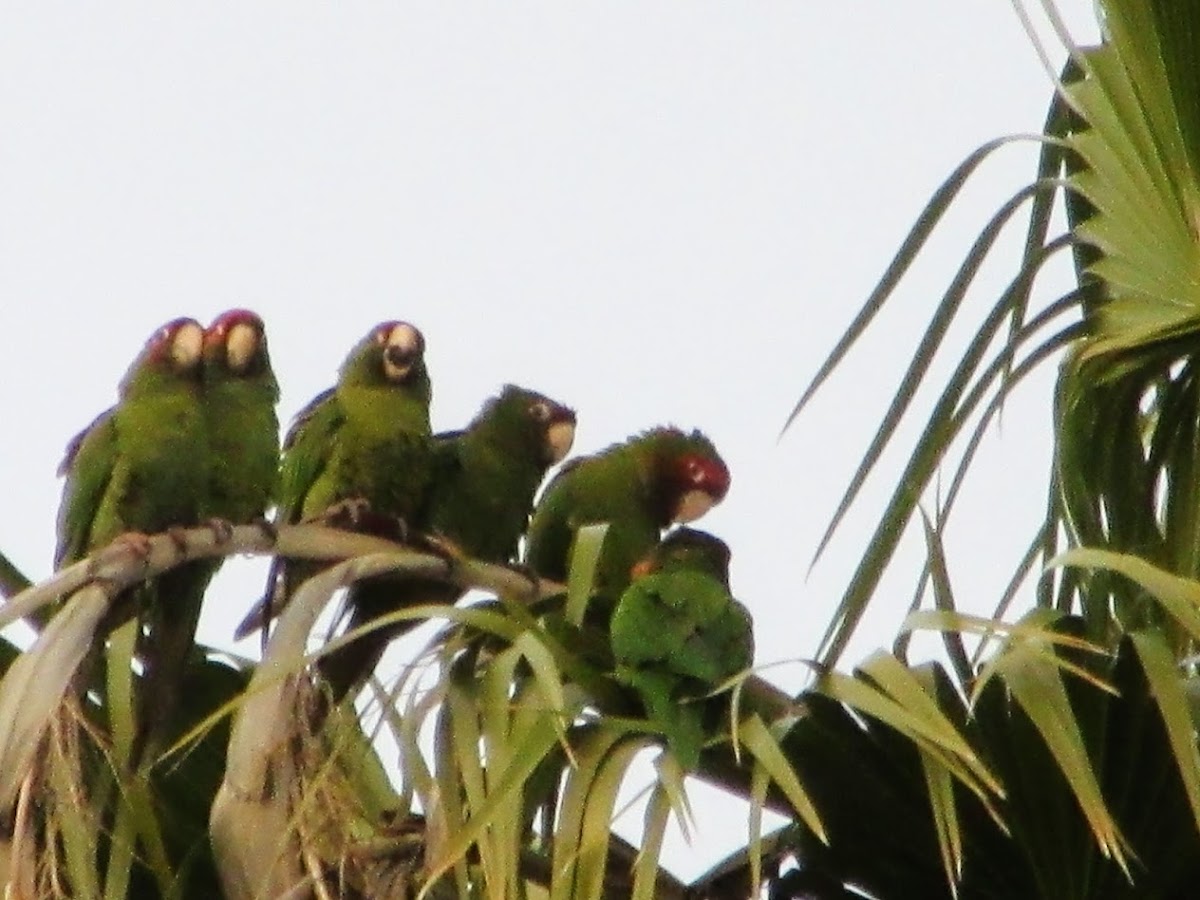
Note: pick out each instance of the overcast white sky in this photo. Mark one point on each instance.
(652, 211)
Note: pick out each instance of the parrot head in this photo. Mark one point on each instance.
(558, 424)
(393, 354)
(546, 427)
(528, 425)
(691, 475)
(174, 351)
(235, 348)
(687, 549)
(403, 349)
(235, 345)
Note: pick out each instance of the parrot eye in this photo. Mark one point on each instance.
(540, 411)
(403, 346)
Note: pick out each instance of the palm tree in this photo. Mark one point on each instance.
(1056, 757)
(1083, 713)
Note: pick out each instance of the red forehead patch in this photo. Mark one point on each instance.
(701, 473)
(159, 345)
(231, 318)
(383, 330)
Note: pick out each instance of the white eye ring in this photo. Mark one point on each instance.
(559, 438)
(241, 343)
(406, 337)
(403, 347)
(540, 411)
(187, 345)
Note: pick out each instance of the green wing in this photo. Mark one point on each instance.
(446, 469)
(674, 634)
(548, 541)
(611, 488)
(590, 489)
(685, 623)
(88, 466)
(306, 452)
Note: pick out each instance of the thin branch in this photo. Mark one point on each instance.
(124, 563)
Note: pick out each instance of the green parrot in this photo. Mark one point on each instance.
(240, 394)
(367, 439)
(678, 613)
(479, 503)
(652, 480)
(142, 466)
(483, 504)
(677, 632)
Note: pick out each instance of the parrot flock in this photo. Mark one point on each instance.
(194, 439)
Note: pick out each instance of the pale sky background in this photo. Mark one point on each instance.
(655, 212)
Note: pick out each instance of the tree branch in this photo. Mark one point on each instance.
(123, 564)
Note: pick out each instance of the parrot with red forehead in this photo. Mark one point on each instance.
(240, 395)
(141, 466)
(365, 439)
(640, 487)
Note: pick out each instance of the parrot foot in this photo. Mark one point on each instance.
(391, 528)
(222, 530)
(129, 543)
(179, 537)
(355, 514)
(348, 514)
(440, 546)
(136, 542)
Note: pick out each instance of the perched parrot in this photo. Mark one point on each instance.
(479, 503)
(677, 632)
(367, 439)
(240, 394)
(652, 480)
(142, 466)
(483, 504)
